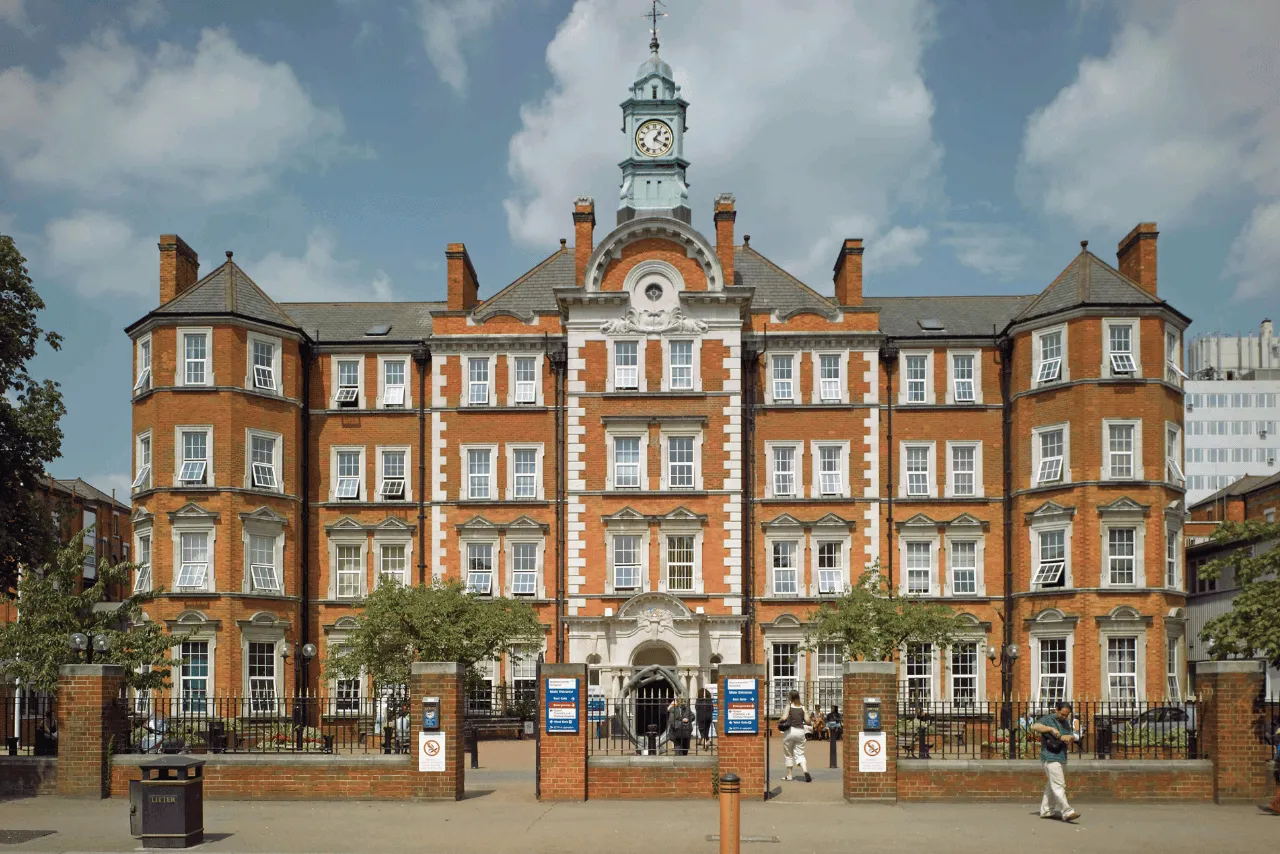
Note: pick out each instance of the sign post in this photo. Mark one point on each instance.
(562, 706)
(741, 707)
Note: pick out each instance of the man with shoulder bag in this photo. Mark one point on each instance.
(1056, 737)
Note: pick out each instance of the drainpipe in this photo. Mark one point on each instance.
(300, 674)
(889, 358)
(558, 356)
(750, 369)
(1004, 346)
(422, 358)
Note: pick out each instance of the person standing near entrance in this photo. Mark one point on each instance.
(680, 725)
(704, 711)
(791, 725)
(1056, 736)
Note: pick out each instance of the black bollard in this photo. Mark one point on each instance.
(651, 737)
(475, 746)
(831, 736)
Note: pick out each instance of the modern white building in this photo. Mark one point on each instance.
(1233, 406)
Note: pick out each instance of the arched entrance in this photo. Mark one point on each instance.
(653, 684)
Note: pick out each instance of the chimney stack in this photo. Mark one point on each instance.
(464, 287)
(725, 217)
(1136, 255)
(584, 225)
(179, 267)
(848, 272)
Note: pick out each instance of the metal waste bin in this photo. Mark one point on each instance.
(166, 807)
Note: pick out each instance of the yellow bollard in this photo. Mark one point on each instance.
(730, 789)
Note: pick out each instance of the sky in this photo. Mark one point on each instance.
(337, 145)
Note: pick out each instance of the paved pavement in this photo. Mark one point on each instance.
(501, 815)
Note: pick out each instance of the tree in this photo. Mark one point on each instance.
(438, 622)
(30, 437)
(51, 608)
(870, 625)
(1252, 627)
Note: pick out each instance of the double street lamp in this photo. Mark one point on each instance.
(89, 644)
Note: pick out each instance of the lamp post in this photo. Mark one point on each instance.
(1007, 654)
(89, 644)
(301, 711)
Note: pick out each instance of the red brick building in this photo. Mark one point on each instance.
(675, 450)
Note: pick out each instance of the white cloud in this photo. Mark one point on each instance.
(819, 119)
(445, 25)
(147, 13)
(14, 14)
(1178, 118)
(120, 482)
(990, 248)
(99, 254)
(317, 275)
(205, 125)
(1254, 260)
(896, 248)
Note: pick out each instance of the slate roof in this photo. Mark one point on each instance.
(84, 490)
(1087, 280)
(533, 293)
(961, 316)
(227, 289)
(776, 289)
(1243, 486)
(330, 322)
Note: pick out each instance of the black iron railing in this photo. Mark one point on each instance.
(1268, 727)
(29, 723)
(817, 696)
(1002, 730)
(518, 702)
(639, 726)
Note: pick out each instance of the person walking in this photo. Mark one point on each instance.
(704, 710)
(1056, 737)
(680, 725)
(792, 724)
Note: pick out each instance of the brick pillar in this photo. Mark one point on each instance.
(1228, 691)
(562, 757)
(445, 680)
(740, 753)
(90, 719)
(865, 679)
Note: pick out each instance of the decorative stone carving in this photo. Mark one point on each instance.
(641, 320)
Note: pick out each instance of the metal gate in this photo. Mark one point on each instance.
(768, 727)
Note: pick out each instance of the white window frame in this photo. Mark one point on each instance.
(933, 675)
(178, 457)
(359, 539)
(362, 492)
(1064, 372)
(488, 384)
(770, 390)
(381, 401)
(641, 346)
(1173, 536)
(1173, 455)
(464, 451)
(1118, 629)
(333, 368)
(797, 475)
(191, 526)
(842, 551)
(841, 380)
(666, 435)
(668, 384)
(1108, 362)
(277, 374)
(932, 473)
(1038, 528)
(513, 397)
(950, 486)
(1052, 630)
(842, 469)
(797, 540)
(143, 459)
(262, 704)
(952, 397)
(143, 368)
(267, 530)
(979, 558)
(195, 632)
(539, 544)
(465, 545)
(1138, 524)
(144, 575)
(639, 530)
(905, 541)
(380, 476)
(538, 449)
(904, 384)
(382, 538)
(1173, 365)
(1137, 461)
(180, 378)
(1036, 447)
(979, 644)
(611, 438)
(277, 457)
(665, 534)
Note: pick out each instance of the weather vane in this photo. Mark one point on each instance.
(653, 15)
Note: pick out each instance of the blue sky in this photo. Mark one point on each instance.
(337, 145)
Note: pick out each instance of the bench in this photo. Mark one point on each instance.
(496, 727)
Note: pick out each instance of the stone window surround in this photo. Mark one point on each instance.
(974, 632)
(666, 364)
(932, 474)
(363, 495)
(1136, 519)
(673, 429)
(465, 399)
(260, 526)
(815, 481)
(1051, 623)
(815, 358)
(277, 363)
(798, 475)
(407, 450)
(640, 431)
(797, 395)
(144, 342)
(510, 449)
(196, 627)
(1135, 338)
(979, 490)
(1052, 521)
(262, 628)
(145, 527)
(977, 377)
(178, 430)
(1065, 427)
(1064, 372)
(180, 372)
(538, 367)
(392, 537)
(383, 358)
(178, 526)
(908, 533)
(1105, 468)
(137, 459)
(674, 528)
(464, 484)
(975, 534)
(347, 537)
(629, 527)
(940, 657)
(361, 402)
(641, 343)
(277, 455)
(539, 540)
(1124, 621)
(825, 534)
(930, 393)
(792, 534)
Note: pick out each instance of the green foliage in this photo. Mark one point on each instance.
(30, 437)
(871, 625)
(1252, 626)
(439, 622)
(52, 608)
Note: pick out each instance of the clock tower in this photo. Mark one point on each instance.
(653, 120)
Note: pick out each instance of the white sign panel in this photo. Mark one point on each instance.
(871, 753)
(431, 751)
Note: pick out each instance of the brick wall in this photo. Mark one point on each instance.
(744, 754)
(272, 777)
(864, 679)
(1087, 780)
(445, 680)
(1228, 736)
(89, 722)
(562, 757)
(25, 776)
(651, 777)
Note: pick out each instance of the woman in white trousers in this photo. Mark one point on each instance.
(793, 737)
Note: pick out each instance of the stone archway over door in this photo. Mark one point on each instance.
(654, 653)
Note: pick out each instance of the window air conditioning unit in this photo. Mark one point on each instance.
(1262, 434)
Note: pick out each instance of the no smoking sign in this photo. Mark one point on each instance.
(871, 753)
(431, 753)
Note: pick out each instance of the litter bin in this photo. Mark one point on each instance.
(166, 807)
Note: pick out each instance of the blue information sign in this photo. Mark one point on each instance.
(562, 705)
(741, 707)
(595, 703)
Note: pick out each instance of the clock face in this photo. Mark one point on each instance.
(654, 138)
